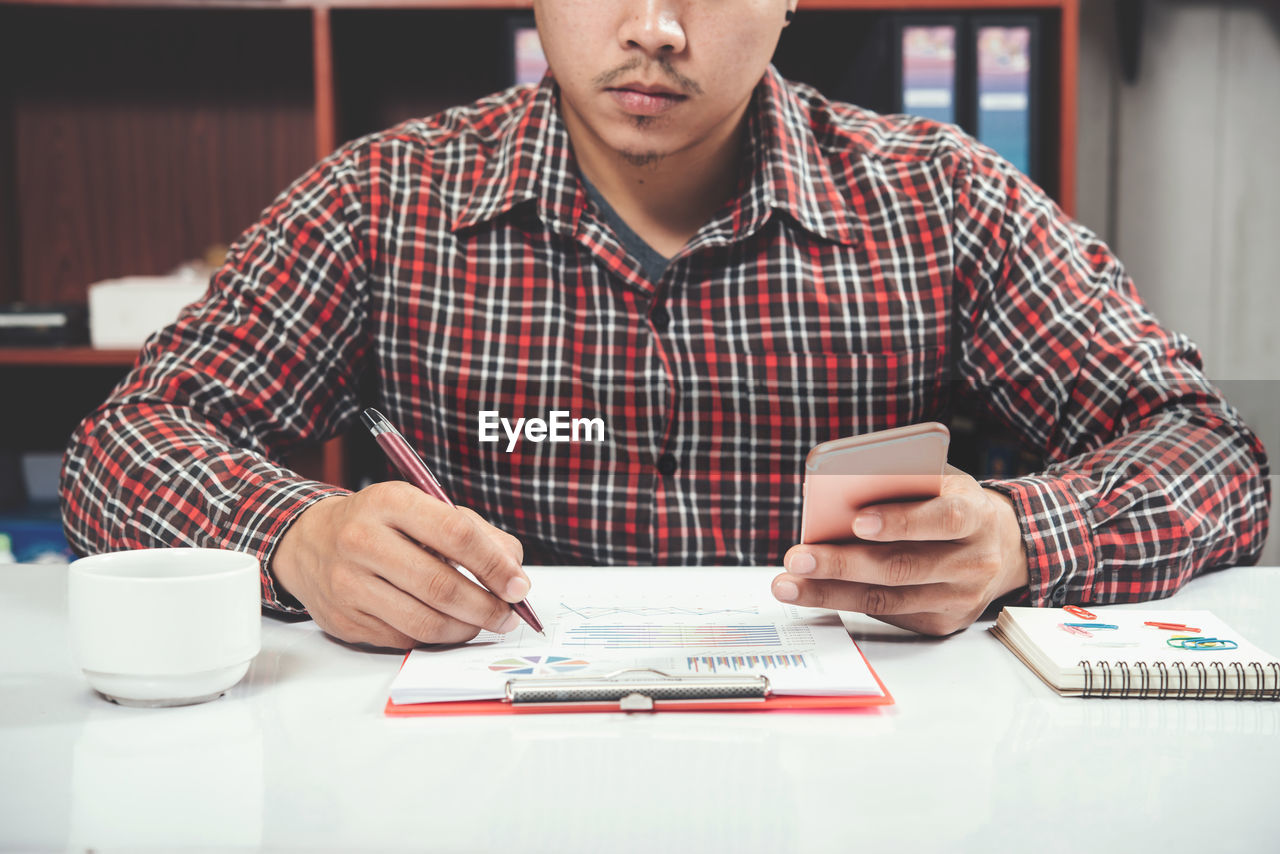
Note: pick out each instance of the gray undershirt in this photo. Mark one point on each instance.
(652, 263)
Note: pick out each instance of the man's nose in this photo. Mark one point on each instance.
(654, 26)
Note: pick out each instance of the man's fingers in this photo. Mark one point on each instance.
(407, 615)
(876, 563)
(952, 516)
(506, 540)
(459, 536)
(421, 574)
(358, 627)
(873, 599)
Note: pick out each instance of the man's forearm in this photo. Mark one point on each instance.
(141, 475)
(1137, 518)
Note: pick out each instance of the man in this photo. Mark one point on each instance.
(723, 269)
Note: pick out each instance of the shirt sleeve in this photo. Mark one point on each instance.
(186, 451)
(1151, 477)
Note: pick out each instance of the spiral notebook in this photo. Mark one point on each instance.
(1120, 653)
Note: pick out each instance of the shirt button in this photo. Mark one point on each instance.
(661, 318)
(667, 464)
(1060, 594)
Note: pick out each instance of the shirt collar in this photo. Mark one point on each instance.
(531, 161)
(788, 169)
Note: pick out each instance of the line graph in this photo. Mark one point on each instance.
(591, 612)
(655, 637)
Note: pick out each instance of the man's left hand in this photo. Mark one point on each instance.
(929, 566)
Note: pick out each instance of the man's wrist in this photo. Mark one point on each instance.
(292, 553)
(1013, 552)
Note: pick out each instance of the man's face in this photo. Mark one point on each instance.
(652, 78)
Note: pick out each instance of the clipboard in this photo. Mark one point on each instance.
(644, 690)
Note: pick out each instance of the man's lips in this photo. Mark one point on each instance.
(647, 89)
(645, 100)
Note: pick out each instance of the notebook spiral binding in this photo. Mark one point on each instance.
(1229, 680)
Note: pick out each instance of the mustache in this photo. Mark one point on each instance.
(687, 85)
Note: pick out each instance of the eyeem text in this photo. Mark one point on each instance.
(558, 427)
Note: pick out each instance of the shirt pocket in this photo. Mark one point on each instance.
(755, 417)
(750, 421)
(795, 400)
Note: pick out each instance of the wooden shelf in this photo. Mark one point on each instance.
(66, 356)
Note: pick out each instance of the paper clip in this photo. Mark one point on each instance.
(1072, 629)
(1172, 627)
(1077, 611)
(1092, 625)
(1202, 644)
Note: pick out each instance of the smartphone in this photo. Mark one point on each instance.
(844, 475)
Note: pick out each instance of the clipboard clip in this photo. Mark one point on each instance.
(634, 689)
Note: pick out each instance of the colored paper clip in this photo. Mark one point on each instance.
(1077, 611)
(1071, 629)
(1092, 625)
(1172, 627)
(1202, 644)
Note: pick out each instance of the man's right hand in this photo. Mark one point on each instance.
(368, 567)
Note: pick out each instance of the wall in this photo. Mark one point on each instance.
(1180, 173)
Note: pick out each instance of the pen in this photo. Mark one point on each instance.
(404, 458)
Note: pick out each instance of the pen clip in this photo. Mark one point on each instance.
(402, 454)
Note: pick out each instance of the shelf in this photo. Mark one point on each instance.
(66, 356)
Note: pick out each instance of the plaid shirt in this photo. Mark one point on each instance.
(869, 269)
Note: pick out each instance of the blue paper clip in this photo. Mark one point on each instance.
(1201, 644)
(1092, 625)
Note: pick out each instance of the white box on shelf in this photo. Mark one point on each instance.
(124, 312)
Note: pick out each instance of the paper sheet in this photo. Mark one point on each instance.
(682, 620)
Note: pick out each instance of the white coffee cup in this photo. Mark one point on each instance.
(165, 627)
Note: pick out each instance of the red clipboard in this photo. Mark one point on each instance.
(788, 703)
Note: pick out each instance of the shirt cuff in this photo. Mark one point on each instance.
(265, 516)
(1062, 552)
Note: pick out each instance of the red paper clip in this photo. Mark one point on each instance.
(1172, 627)
(1079, 612)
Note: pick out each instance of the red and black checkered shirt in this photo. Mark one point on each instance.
(869, 270)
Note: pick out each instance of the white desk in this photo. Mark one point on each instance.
(977, 755)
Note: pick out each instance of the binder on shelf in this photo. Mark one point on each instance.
(528, 62)
(981, 72)
(1006, 51)
(926, 67)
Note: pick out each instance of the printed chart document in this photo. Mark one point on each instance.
(683, 621)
